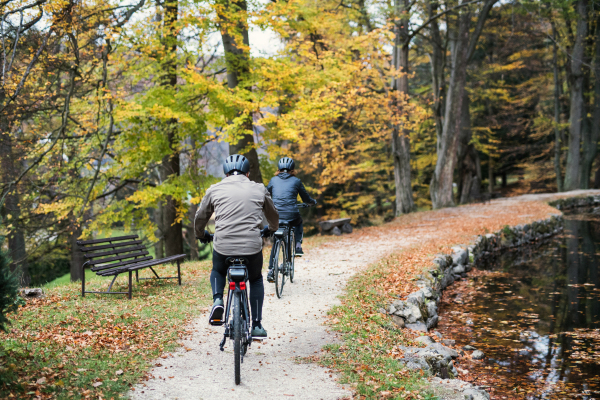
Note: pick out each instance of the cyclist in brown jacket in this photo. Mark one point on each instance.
(238, 204)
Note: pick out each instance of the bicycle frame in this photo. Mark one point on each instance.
(286, 237)
(242, 288)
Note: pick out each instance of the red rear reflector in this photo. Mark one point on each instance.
(231, 285)
(243, 285)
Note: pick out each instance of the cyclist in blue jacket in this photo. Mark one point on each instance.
(285, 188)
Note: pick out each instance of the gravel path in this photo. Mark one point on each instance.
(273, 369)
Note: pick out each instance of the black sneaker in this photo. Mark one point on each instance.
(270, 277)
(299, 252)
(258, 332)
(216, 314)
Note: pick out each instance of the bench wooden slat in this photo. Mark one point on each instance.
(121, 257)
(113, 239)
(90, 256)
(108, 246)
(115, 265)
(144, 264)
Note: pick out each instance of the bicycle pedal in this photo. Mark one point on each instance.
(258, 339)
(216, 322)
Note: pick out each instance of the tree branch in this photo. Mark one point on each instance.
(433, 18)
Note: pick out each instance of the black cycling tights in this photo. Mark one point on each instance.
(218, 277)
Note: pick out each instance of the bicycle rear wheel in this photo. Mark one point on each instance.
(237, 335)
(292, 252)
(279, 268)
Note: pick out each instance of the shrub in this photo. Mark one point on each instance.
(9, 289)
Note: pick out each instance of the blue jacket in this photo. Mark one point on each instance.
(284, 189)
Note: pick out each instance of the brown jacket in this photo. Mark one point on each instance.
(238, 204)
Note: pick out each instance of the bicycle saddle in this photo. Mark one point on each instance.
(237, 261)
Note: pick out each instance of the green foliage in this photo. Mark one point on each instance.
(9, 290)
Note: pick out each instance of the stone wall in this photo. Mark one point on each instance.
(419, 310)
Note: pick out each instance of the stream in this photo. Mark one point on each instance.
(535, 313)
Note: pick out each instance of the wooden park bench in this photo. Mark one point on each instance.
(119, 255)
(336, 226)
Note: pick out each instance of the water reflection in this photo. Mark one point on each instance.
(536, 315)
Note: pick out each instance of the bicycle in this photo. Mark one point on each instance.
(239, 328)
(283, 253)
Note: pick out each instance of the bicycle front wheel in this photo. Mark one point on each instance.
(279, 268)
(292, 251)
(237, 335)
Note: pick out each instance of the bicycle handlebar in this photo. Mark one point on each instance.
(305, 205)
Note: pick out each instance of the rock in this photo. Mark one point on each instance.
(382, 310)
(441, 349)
(431, 309)
(409, 311)
(399, 321)
(459, 269)
(347, 228)
(460, 256)
(436, 333)
(469, 347)
(448, 342)
(33, 293)
(432, 322)
(418, 326)
(424, 339)
(469, 322)
(336, 231)
(441, 261)
(428, 293)
(476, 394)
(415, 363)
(477, 355)
(417, 298)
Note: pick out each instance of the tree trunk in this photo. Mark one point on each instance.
(191, 235)
(462, 45)
(591, 131)
(11, 209)
(234, 27)
(573, 170)
(441, 189)
(438, 61)
(467, 155)
(159, 246)
(173, 233)
(401, 135)
(76, 255)
(491, 176)
(557, 169)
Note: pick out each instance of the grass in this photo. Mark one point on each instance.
(65, 346)
(367, 356)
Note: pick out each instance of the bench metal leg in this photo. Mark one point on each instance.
(179, 272)
(137, 278)
(83, 279)
(130, 284)
(111, 283)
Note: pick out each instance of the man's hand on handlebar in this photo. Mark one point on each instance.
(208, 237)
(266, 232)
(306, 205)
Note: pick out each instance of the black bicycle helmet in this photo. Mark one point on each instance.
(237, 163)
(286, 163)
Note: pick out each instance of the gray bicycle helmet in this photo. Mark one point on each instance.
(237, 163)
(286, 163)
